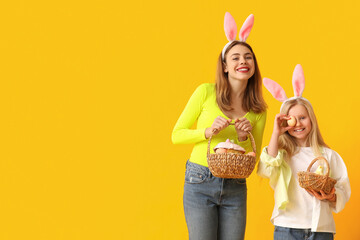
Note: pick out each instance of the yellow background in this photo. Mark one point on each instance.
(90, 92)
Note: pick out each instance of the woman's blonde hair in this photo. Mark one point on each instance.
(253, 98)
(314, 139)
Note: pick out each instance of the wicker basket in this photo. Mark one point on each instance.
(231, 165)
(317, 182)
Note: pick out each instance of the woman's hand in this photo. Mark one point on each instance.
(331, 197)
(219, 124)
(242, 127)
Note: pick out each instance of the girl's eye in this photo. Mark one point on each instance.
(302, 118)
(235, 59)
(249, 57)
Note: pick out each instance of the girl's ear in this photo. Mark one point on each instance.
(275, 89)
(298, 81)
(246, 28)
(230, 27)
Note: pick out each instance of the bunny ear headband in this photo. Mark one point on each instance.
(298, 82)
(231, 30)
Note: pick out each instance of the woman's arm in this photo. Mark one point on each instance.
(258, 132)
(182, 132)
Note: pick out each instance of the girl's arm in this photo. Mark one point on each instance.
(331, 197)
(277, 131)
(271, 158)
(340, 194)
(338, 171)
(269, 165)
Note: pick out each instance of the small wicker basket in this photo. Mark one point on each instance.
(317, 182)
(231, 165)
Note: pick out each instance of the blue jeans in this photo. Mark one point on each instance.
(215, 208)
(284, 233)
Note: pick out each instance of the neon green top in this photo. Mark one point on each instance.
(202, 107)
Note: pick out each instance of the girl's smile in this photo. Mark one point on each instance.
(303, 124)
(299, 130)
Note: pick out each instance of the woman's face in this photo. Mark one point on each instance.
(240, 63)
(303, 124)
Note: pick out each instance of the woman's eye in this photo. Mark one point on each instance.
(235, 59)
(248, 58)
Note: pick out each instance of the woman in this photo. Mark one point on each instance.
(215, 208)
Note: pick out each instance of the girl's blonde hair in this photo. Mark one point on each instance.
(314, 139)
(253, 98)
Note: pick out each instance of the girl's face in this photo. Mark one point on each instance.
(240, 64)
(303, 124)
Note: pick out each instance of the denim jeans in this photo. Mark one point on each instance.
(215, 208)
(284, 233)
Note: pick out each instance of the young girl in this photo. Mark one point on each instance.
(215, 208)
(300, 213)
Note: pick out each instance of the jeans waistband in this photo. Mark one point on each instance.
(205, 170)
(199, 168)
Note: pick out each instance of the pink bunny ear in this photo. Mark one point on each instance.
(246, 28)
(230, 27)
(275, 89)
(298, 81)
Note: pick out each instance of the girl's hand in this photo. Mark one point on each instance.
(279, 127)
(331, 197)
(242, 127)
(219, 124)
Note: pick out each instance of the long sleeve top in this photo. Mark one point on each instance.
(294, 206)
(203, 109)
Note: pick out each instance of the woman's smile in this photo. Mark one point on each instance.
(243, 69)
(239, 63)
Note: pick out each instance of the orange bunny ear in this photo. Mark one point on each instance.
(298, 81)
(275, 89)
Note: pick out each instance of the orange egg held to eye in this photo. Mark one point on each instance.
(292, 121)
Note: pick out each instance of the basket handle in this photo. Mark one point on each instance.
(315, 160)
(253, 145)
